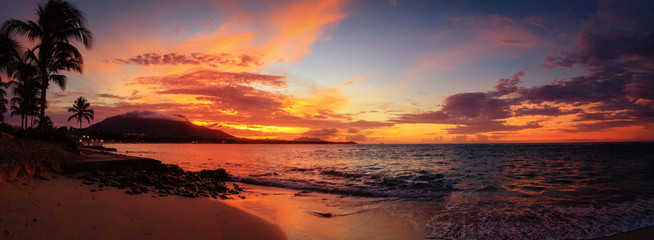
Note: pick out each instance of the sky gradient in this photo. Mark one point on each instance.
(372, 71)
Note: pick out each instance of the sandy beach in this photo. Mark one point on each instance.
(62, 208)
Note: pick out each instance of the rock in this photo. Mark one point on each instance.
(320, 214)
(136, 190)
(190, 195)
(218, 174)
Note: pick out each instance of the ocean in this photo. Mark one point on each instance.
(479, 191)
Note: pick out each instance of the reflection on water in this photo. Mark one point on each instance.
(482, 186)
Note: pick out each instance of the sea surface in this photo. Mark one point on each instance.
(480, 191)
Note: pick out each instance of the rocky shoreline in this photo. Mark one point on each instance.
(164, 180)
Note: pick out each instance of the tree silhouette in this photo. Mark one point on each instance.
(58, 24)
(3, 102)
(47, 124)
(8, 55)
(9, 49)
(26, 88)
(81, 110)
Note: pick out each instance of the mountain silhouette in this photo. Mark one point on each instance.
(156, 125)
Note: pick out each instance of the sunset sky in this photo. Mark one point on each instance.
(371, 71)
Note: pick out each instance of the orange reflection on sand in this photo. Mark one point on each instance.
(314, 215)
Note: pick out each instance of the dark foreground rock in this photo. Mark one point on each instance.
(162, 179)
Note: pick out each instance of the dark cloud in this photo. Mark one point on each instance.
(322, 133)
(512, 42)
(210, 77)
(578, 90)
(507, 86)
(542, 111)
(471, 111)
(326, 114)
(363, 124)
(357, 138)
(155, 115)
(617, 53)
(243, 99)
(213, 60)
(476, 105)
(132, 96)
(65, 94)
(352, 130)
(106, 95)
(490, 126)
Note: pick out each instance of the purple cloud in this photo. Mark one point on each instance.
(210, 77)
(213, 60)
(322, 133)
(617, 91)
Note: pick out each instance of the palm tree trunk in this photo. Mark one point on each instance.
(44, 86)
(44, 59)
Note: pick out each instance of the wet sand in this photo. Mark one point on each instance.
(639, 234)
(314, 215)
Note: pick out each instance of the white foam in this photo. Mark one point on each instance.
(537, 221)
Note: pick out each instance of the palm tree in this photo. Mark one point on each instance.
(47, 124)
(81, 110)
(58, 24)
(3, 102)
(26, 87)
(8, 51)
(8, 54)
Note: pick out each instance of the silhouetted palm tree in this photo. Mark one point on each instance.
(3, 102)
(47, 123)
(81, 110)
(8, 55)
(9, 49)
(26, 87)
(58, 23)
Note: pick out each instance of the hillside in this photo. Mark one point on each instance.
(149, 124)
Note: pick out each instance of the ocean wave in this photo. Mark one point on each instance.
(539, 221)
(407, 190)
